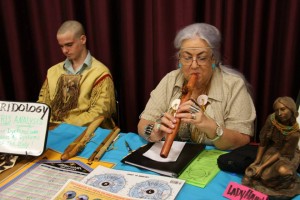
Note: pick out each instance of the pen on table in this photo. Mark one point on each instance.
(111, 146)
(128, 147)
(113, 142)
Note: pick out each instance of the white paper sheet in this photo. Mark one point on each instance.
(154, 152)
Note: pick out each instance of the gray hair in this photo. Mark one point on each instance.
(73, 26)
(204, 31)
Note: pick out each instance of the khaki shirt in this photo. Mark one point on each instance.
(230, 104)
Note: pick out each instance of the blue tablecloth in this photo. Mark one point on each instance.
(59, 138)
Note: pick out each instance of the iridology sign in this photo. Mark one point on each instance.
(6, 106)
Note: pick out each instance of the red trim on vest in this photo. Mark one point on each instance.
(101, 79)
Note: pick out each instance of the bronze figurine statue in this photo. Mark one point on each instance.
(274, 171)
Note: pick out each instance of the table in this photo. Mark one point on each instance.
(60, 137)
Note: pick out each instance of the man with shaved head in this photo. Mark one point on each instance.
(80, 88)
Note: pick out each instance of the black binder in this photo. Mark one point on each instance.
(171, 169)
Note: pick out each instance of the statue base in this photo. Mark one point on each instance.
(280, 194)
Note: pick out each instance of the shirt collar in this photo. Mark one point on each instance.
(181, 79)
(85, 65)
(215, 91)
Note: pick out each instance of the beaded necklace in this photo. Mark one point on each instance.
(285, 130)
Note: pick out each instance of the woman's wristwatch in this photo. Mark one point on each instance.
(219, 132)
(148, 130)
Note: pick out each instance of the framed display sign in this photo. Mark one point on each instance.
(23, 127)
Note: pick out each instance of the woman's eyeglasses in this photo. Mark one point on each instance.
(188, 60)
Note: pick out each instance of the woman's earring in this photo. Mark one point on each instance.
(179, 65)
(213, 66)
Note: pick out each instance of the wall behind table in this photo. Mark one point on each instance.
(135, 40)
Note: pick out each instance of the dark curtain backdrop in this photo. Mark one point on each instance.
(134, 38)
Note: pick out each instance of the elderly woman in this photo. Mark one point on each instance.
(220, 110)
(278, 154)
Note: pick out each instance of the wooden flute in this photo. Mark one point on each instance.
(186, 95)
(79, 143)
(96, 155)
